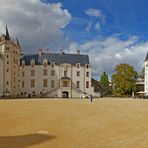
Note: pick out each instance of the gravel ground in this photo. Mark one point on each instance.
(74, 123)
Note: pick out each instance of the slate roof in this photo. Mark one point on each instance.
(57, 58)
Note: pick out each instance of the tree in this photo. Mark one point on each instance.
(104, 80)
(141, 75)
(124, 79)
(104, 83)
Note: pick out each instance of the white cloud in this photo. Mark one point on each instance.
(106, 53)
(34, 23)
(97, 26)
(89, 26)
(94, 12)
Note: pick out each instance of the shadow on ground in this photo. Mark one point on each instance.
(23, 141)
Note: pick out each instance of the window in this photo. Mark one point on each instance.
(52, 83)
(52, 72)
(65, 84)
(32, 82)
(22, 83)
(45, 63)
(87, 74)
(52, 64)
(78, 84)
(32, 72)
(7, 70)
(7, 83)
(23, 63)
(7, 48)
(45, 72)
(87, 84)
(7, 62)
(78, 65)
(78, 73)
(45, 81)
(23, 74)
(65, 73)
(87, 66)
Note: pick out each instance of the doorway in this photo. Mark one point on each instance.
(65, 94)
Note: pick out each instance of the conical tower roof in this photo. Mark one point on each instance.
(146, 58)
(17, 42)
(7, 37)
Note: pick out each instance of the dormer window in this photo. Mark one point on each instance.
(23, 63)
(78, 65)
(87, 65)
(32, 62)
(45, 62)
(52, 64)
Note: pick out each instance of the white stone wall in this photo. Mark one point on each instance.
(11, 53)
(146, 78)
(38, 77)
(1, 77)
(58, 88)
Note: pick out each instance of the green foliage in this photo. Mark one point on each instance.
(141, 75)
(104, 80)
(104, 83)
(124, 80)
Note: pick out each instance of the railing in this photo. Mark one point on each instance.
(49, 92)
(76, 89)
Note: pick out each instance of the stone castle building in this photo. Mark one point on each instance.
(44, 74)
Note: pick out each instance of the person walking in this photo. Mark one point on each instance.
(91, 98)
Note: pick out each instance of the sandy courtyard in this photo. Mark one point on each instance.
(57, 123)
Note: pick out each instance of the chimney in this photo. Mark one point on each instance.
(47, 50)
(39, 52)
(78, 51)
(61, 51)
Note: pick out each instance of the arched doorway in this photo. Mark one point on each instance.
(65, 94)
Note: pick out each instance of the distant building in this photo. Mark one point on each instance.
(146, 76)
(42, 74)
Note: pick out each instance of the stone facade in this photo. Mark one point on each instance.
(10, 52)
(42, 74)
(146, 76)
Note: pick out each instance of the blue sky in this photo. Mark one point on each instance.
(128, 17)
(109, 31)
